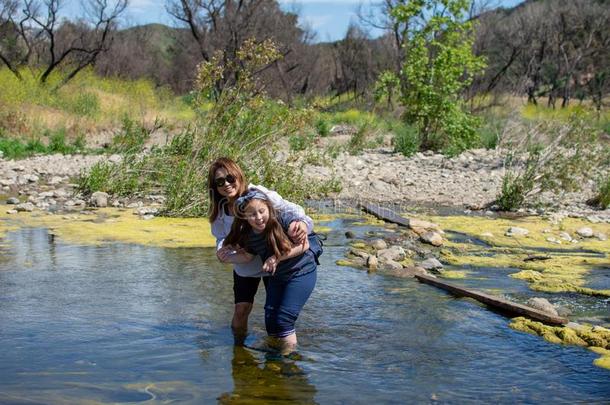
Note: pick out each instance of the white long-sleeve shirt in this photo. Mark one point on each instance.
(222, 226)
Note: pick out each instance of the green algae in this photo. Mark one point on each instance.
(565, 270)
(595, 338)
(454, 274)
(108, 225)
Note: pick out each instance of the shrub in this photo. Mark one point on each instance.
(602, 199)
(406, 139)
(558, 157)
(322, 127)
(357, 142)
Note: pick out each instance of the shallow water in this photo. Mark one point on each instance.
(126, 323)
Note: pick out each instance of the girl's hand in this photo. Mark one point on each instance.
(226, 252)
(270, 265)
(297, 232)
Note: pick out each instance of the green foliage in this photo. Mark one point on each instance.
(85, 104)
(300, 142)
(133, 136)
(603, 196)
(490, 132)
(439, 64)
(386, 87)
(406, 139)
(322, 127)
(357, 142)
(242, 124)
(13, 148)
(555, 157)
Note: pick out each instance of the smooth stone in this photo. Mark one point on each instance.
(394, 253)
(13, 201)
(99, 199)
(350, 235)
(433, 238)
(585, 232)
(379, 244)
(431, 264)
(543, 305)
(516, 231)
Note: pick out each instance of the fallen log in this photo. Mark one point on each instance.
(496, 302)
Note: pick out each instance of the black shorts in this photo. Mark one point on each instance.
(244, 288)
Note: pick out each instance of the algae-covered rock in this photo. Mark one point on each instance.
(595, 338)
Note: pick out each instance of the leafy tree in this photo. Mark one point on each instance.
(439, 64)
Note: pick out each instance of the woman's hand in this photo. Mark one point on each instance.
(270, 265)
(297, 232)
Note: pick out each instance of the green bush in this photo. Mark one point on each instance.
(131, 138)
(558, 157)
(300, 142)
(357, 142)
(602, 199)
(406, 139)
(322, 127)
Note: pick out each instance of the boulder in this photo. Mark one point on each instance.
(394, 253)
(543, 305)
(433, 238)
(585, 232)
(391, 265)
(99, 199)
(431, 264)
(13, 201)
(516, 231)
(379, 244)
(25, 207)
(372, 263)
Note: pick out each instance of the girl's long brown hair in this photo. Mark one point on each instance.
(217, 201)
(277, 240)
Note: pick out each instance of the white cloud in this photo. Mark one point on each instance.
(142, 5)
(315, 21)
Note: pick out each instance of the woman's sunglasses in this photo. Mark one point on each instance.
(220, 181)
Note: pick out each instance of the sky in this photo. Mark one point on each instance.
(328, 19)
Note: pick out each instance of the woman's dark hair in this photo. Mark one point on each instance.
(277, 240)
(217, 201)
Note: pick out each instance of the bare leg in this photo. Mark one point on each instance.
(239, 324)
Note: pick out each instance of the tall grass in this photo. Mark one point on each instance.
(87, 102)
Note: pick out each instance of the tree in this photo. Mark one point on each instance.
(35, 35)
(227, 24)
(439, 64)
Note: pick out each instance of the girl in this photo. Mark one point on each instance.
(226, 182)
(261, 232)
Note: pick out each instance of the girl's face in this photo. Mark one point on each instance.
(225, 183)
(257, 215)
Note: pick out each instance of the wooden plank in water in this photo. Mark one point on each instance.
(390, 216)
(496, 302)
(384, 213)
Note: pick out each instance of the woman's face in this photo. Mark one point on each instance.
(225, 184)
(257, 215)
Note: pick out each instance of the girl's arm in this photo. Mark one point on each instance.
(271, 263)
(234, 254)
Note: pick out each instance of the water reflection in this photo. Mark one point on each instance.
(274, 379)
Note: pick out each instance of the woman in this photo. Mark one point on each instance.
(226, 183)
(262, 232)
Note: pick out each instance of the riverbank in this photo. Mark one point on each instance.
(468, 182)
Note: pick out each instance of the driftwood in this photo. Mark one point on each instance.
(388, 215)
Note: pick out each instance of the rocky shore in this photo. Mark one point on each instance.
(470, 181)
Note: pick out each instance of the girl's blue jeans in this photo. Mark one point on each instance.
(285, 300)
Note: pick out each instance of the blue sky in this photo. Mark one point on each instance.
(328, 19)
